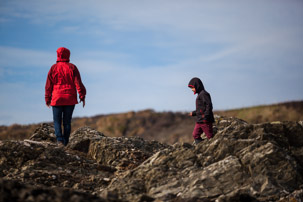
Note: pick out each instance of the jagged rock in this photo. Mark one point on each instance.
(123, 153)
(15, 191)
(82, 138)
(45, 132)
(117, 152)
(296, 196)
(43, 163)
(243, 162)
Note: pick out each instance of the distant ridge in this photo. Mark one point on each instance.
(165, 127)
(286, 111)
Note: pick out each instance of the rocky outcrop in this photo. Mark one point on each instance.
(243, 162)
(120, 153)
(41, 163)
(257, 162)
(87, 164)
(15, 191)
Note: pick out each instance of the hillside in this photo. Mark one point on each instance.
(165, 127)
(243, 162)
(288, 111)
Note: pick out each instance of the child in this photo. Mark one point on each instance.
(204, 113)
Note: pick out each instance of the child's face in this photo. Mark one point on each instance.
(193, 89)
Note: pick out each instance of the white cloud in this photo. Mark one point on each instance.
(189, 22)
(20, 58)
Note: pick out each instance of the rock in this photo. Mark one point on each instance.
(297, 195)
(37, 163)
(15, 191)
(82, 138)
(45, 132)
(116, 152)
(243, 162)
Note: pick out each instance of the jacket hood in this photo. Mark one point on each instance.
(63, 54)
(197, 84)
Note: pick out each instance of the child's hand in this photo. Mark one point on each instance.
(190, 114)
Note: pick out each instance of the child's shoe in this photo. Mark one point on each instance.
(197, 141)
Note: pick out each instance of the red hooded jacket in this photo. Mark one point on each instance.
(63, 82)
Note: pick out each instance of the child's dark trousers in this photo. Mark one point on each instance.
(207, 128)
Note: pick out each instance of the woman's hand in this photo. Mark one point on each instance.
(83, 102)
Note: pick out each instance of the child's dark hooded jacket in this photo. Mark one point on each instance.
(204, 107)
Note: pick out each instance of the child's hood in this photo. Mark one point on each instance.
(197, 84)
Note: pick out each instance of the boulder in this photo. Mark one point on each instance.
(45, 132)
(81, 139)
(120, 153)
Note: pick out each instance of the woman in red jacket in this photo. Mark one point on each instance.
(63, 82)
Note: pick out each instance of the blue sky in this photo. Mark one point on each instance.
(140, 54)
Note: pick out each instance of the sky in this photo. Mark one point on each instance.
(138, 54)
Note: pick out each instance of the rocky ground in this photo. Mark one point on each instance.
(243, 162)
